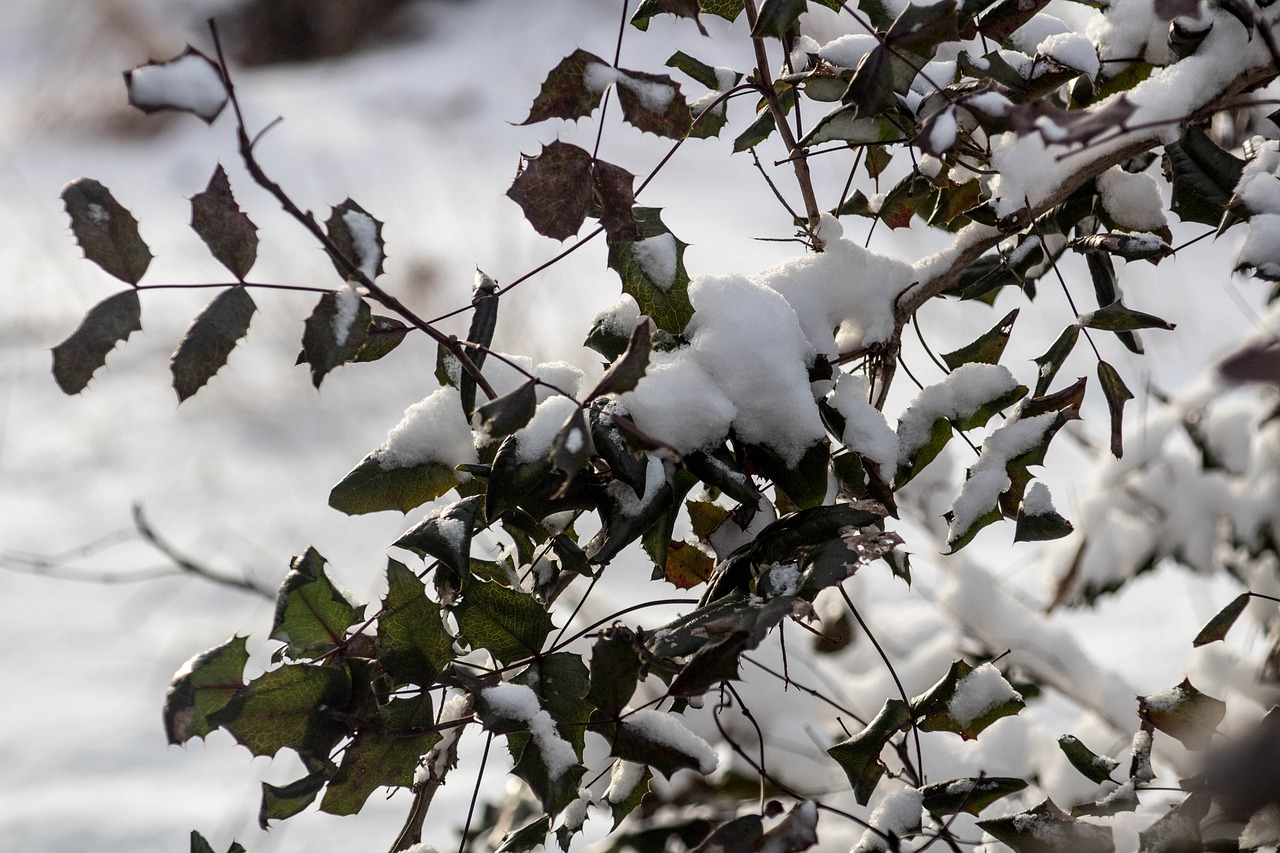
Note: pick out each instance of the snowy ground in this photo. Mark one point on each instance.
(418, 134)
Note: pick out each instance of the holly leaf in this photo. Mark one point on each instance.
(210, 339)
(859, 755)
(653, 273)
(385, 752)
(358, 238)
(613, 200)
(1204, 176)
(106, 232)
(970, 795)
(1096, 768)
(966, 700)
(1117, 318)
(1051, 361)
(280, 802)
(384, 335)
(511, 624)
(446, 535)
(653, 104)
(229, 233)
(1047, 829)
(108, 323)
(565, 93)
(1217, 627)
(1183, 712)
(615, 672)
(988, 348)
(369, 487)
(203, 686)
(291, 706)
(1117, 394)
(625, 373)
(554, 189)
(509, 413)
(312, 615)
(332, 336)
(413, 644)
(190, 83)
(778, 18)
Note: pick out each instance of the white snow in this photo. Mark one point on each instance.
(1260, 248)
(667, 730)
(597, 77)
(978, 692)
(653, 96)
(898, 813)
(1029, 36)
(1074, 50)
(847, 50)
(866, 431)
(679, 403)
(432, 430)
(657, 257)
(364, 240)
(1037, 501)
(575, 814)
(534, 440)
(1259, 188)
(518, 702)
(348, 309)
(623, 779)
(1134, 201)
(988, 478)
(191, 82)
(98, 213)
(453, 530)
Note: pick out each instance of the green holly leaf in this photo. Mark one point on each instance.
(509, 623)
(988, 348)
(1096, 768)
(1217, 627)
(859, 755)
(108, 323)
(652, 271)
(106, 232)
(312, 615)
(1117, 394)
(615, 671)
(565, 93)
(1047, 829)
(1117, 318)
(384, 753)
(966, 700)
(413, 644)
(446, 535)
(231, 236)
(210, 339)
(291, 706)
(1204, 177)
(203, 686)
(384, 335)
(369, 487)
(333, 335)
(1052, 360)
(970, 795)
(280, 802)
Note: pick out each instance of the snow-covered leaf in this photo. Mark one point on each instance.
(190, 82)
(1178, 829)
(413, 645)
(204, 685)
(1096, 768)
(334, 333)
(106, 232)
(966, 700)
(565, 93)
(1131, 247)
(1217, 627)
(231, 236)
(653, 273)
(312, 615)
(358, 238)
(1183, 712)
(653, 103)
(660, 740)
(446, 535)
(372, 486)
(107, 324)
(1047, 829)
(970, 795)
(210, 339)
(859, 755)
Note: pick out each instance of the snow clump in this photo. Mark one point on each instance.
(432, 430)
(518, 702)
(665, 730)
(897, 814)
(191, 83)
(980, 691)
(989, 477)
(1133, 201)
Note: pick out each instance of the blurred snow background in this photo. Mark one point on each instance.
(420, 129)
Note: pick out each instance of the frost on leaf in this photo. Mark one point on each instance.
(210, 339)
(106, 232)
(231, 236)
(189, 83)
(108, 323)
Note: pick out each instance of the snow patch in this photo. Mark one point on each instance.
(432, 430)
